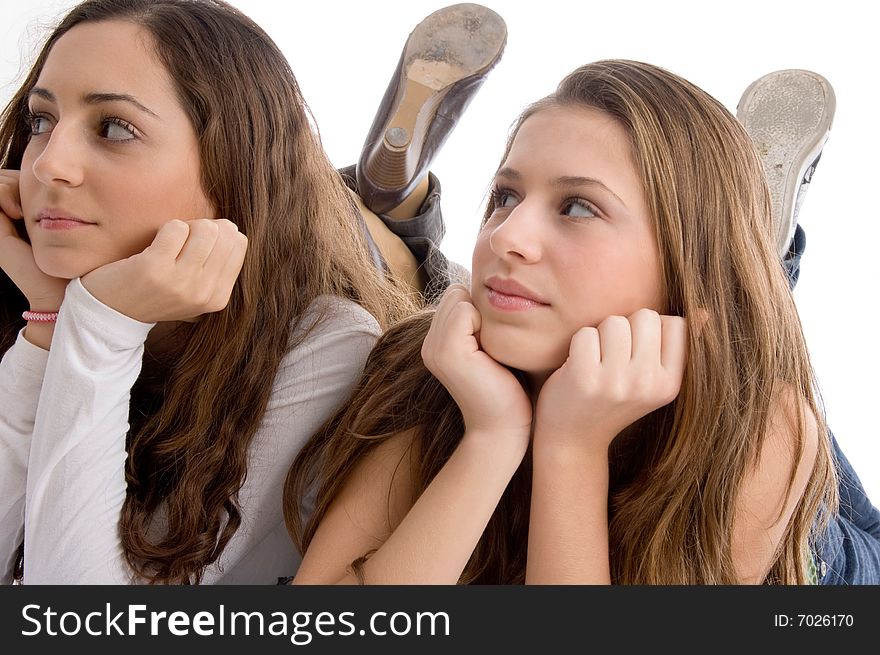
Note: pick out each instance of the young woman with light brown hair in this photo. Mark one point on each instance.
(622, 395)
(188, 294)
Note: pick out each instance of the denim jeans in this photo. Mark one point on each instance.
(849, 551)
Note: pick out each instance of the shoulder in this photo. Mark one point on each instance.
(788, 451)
(792, 438)
(334, 326)
(405, 336)
(368, 507)
(384, 478)
(334, 315)
(327, 352)
(775, 484)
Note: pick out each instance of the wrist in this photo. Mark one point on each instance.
(40, 316)
(47, 302)
(585, 444)
(573, 461)
(40, 333)
(497, 443)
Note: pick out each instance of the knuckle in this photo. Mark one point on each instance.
(646, 313)
(460, 308)
(644, 387)
(587, 386)
(611, 388)
(219, 302)
(674, 388)
(613, 322)
(618, 393)
(583, 340)
(204, 297)
(428, 357)
(645, 319)
(208, 226)
(454, 293)
(153, 277)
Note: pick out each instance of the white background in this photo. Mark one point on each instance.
(343, 54)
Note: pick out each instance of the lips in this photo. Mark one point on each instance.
(55, 219)
(508, 294)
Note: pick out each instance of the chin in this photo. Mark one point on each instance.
(61, 265)
(525, 352)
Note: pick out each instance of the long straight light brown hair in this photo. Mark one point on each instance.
(194, 414)
(677, 473)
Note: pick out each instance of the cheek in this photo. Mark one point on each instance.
(135, 232)
(646, 278)
(479, 259)
(481, 249)
(629, 277)
(610, 283)
(187, 201)
(155, 202)
(27, 183)
(171, 192)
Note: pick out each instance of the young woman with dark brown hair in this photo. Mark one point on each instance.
(198, 292)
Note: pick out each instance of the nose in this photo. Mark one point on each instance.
(60, 162)
(518, 236)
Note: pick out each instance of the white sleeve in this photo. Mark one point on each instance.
(313, 380)
(21, 374)
(76, 486)
(76, 481)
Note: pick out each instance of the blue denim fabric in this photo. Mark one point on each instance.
(792, 261)
(849, 551)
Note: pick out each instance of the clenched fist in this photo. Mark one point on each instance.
(615, 374)
(490, 398)
(188, 270)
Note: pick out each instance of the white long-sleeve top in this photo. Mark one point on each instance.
(63, 423)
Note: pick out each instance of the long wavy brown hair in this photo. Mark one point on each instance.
(675, 474)
(194, 413)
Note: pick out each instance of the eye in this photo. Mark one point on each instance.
(507, 200)
(503, 198)
(579, 208)
(116, 129)
(39, 124)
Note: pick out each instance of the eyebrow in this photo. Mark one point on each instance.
(564, 181)
(97, 99)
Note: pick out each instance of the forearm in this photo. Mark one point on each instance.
(435, 540)
(76, 477)
(40, 334)
(568, 524)
(21, 376)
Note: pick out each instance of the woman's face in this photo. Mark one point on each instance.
(112, 154)
(569, 243)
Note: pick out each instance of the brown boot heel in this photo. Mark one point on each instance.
(444, 62)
